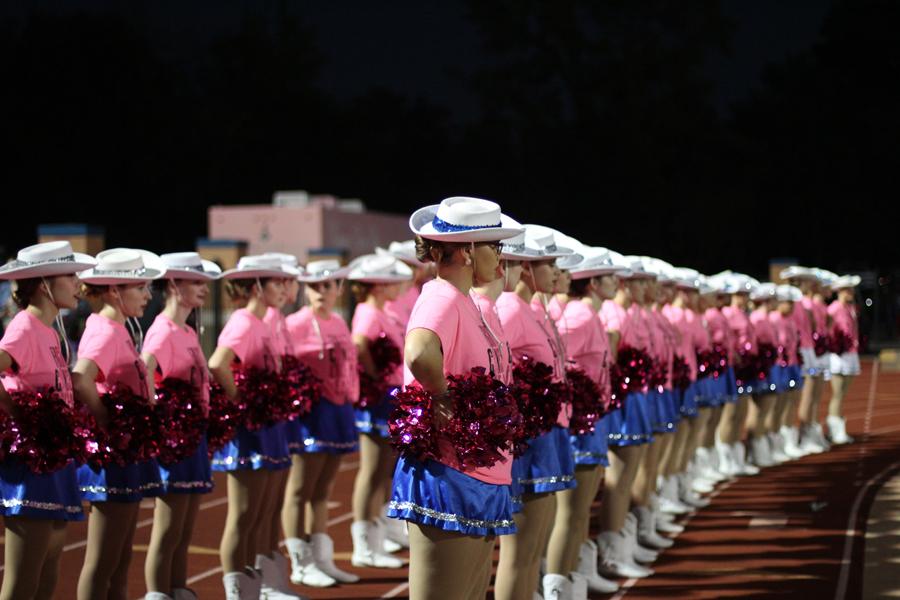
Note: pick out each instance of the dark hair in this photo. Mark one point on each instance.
(361, 290)
(91, 290)
(25, 291)
(242, 289)
(434, 251)
(578, 288)
(160, 286)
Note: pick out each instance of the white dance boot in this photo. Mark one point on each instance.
(303, 566)
(323, 556)
(272, 587)
(587, 567)
(367, 547)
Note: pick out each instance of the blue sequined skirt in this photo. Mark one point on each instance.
(662, 416)
(329, 428)
(52, 496)
(373, 420)
(630, 425)
(435, 495)
(794, 377)
(548, 465)
(191, 475)
(591, 448)
(731, 391)
(668, 410)
(688, 400)
(113, 483)
(265, 448)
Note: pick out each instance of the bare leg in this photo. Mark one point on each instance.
(839, 386)
(572, 515)
(370, 488)
(110, 529)
(617, 482)
(321, 492)
(118, 586)
(520, 554)
(443, 563)
(245, 499)
(169, 514)
(645, 481)
(26, 550)
(180, 561)
(50, 570)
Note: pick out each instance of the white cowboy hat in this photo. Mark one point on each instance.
(705, 287)
(124, 265)
(258, 266)
(405, 251)
(824, 276)
(514, 248)
(846, 281)
(547, 241)
(323, 270)
(659, 268)
(595, 262)
(189, 265)
(685, 277)
(289, 262)
(46, 260)
(788, 293)
(462, 219)
(374, 268)
(638, 268)
(797, 272)
(623, 264)
(764, 291)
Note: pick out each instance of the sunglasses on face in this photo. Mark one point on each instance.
(495, 246)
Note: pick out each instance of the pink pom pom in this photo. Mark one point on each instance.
(302, 388)
(588, 406)
(386, 357)
(538, 398)
(179, 416)
(42, 432)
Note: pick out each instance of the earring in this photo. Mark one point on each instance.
(468, 261)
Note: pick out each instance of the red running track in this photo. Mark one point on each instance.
(794, 530)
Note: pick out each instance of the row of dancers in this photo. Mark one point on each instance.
(474, 289)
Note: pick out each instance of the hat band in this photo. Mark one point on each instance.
(444, 227)
(513, 248)
(122, 273)
(197, 268)
(549, 248)
(25, 263)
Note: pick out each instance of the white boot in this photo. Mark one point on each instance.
(640, 553)
(665, 523)
(759, 451)
(579, 586)
(705, 462)
(237, 586)
(647, 535)
(556, 587)
(183, 594)
(820, 436)
(367, 544)
(837, 430)
(156, 596)
(587, 566)
(809, 444)
(303, 565)
(727, 465)
(739, 451)
(616, 559)
(776, 443)
(668, 498)
(396, 531)
(272, 586)
(791, 447)
(323, 556)
(283, 569)
(687, 495)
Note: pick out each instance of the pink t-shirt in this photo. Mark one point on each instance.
(326, 347)
(615, 318)
(720, 333)
(281, 339)
(741, 329)
(465, 343)
(370, 322)
(251, 341)
(788, 335)
(808, 321)
(844, 318)
(532, 333)
(178, 355)
(679, 318)
(555, 308)
(765, 331)
(586, 340)
(38, 360)
(820, 312)
(667, 341)
(488, 310)
(108, 344)
(402, 307)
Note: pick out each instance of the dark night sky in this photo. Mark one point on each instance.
(440, 131)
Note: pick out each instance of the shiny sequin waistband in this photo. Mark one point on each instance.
(50, 506)
(450, 517)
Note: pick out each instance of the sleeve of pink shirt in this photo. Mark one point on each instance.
(157, 344)
(236, 335)
(18, 343)
(98, 349)
(439, 316)
(365, 322)
(612, 318)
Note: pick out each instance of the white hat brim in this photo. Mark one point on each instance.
(210, 272)
(81, 262)
(255, 273)
(379, 278)
(154, 268)
(410, 260)
(595, 272)
(331, 275)
(421, 224)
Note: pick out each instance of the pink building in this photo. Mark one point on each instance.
(299, 224)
